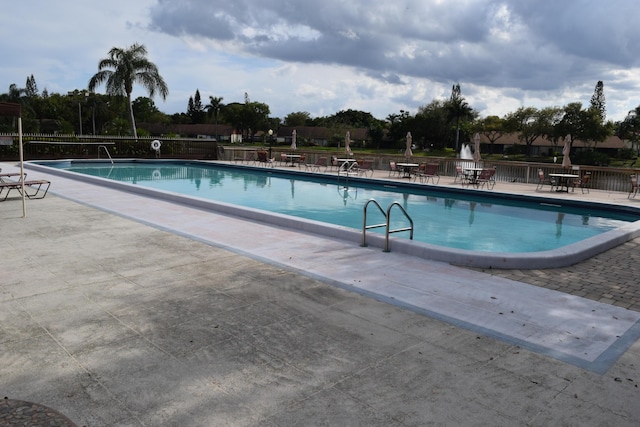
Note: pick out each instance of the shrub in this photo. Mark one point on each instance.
(590, 157)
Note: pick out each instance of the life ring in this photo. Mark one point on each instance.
(155, 145)
(156, 174)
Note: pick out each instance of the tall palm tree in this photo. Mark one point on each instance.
(122, 69)
(214, 106)
(457, 109)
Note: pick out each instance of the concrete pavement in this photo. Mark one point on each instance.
(120, 319)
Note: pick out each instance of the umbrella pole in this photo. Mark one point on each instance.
(24, 203)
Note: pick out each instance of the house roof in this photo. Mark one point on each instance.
(10, 109)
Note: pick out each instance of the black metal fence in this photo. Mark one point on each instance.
(81, 147)
(38, 147)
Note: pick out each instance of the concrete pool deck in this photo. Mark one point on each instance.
(169, 315)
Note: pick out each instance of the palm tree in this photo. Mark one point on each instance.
(122, 69)
(457, 109)
(214, 106)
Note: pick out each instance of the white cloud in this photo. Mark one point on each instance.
(325, 56)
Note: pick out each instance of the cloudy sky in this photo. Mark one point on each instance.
(331, 55)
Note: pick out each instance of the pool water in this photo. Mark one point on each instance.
(461, 221)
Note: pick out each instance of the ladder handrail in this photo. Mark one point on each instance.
(106, 151)
(366, 227)
(386, 224)
(397, 230)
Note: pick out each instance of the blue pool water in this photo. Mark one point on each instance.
(462, 221)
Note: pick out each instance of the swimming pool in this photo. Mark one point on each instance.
(495, 225)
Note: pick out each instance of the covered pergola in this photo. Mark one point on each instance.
(15, 110)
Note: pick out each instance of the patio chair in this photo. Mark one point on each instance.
(426, 172)
(583, 183)
(487, 177)
(634, 186)
(543, 180)
(461, 175)
(321, 163)
(393, 169)
(366, 168)
(334, 163)
(264, 160)
(283, 159)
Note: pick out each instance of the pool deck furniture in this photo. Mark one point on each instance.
(634, 186)
(293, 159)
(263, 159)
(321, 163)
(429, 172)
(543, 180)
(366, 168)
(407, 169)
(40, 186)
(487, 177)
(472, 175)
(564, 181)
(583, 183)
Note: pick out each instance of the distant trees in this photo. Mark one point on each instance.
(249, 117)
(629, 128)
(585, 125)
(195, 109)
(300, 118)
(531, 123)
(493, 128)
(125, 67)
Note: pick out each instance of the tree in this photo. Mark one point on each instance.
(432, 125)
(629, 128)
(532, 123)
(248, 118)
(598, 102)
(585, 125)
(195, 109)
(458, 110)
(146, 111)
(213, 108)
(492, 127)
(300, 118)
(31, 88)
(399, 125)
(122, 69)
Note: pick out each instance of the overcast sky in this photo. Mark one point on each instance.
(331, 55)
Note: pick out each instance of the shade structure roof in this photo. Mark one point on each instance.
(10, 109)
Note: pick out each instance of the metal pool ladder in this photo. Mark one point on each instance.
(387, 216)
(106, 151)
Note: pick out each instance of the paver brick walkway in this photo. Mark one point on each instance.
(611, 277)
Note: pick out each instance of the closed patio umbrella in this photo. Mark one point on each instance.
(293, 140)
(566, 161)
(15, 110)
(476, 144)
(347, 143)
(408, 153)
